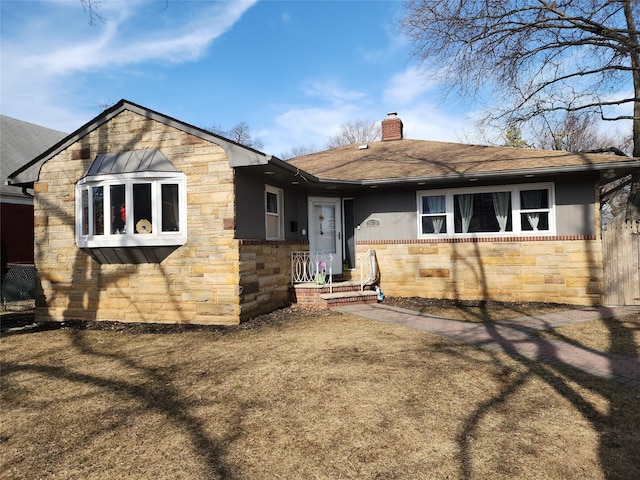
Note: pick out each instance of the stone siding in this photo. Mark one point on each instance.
(196, 283)
(535, 269)
(265, 275)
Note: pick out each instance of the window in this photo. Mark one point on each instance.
(274, 218)
(434, 214)
(534, 210)
(509, 209)
(124, 210)
(131, 199)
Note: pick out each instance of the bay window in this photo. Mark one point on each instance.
(123, 210)
(484, 211)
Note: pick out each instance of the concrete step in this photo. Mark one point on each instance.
(349, 298)
(340, 293)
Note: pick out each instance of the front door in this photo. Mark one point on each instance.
(325, 229)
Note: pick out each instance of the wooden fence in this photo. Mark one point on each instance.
(621, 257)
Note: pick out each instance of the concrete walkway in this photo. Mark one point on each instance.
(517, 336)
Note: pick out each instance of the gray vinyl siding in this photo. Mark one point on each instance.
(575, 208)
(386, 216)
(250, 208)
(393, 215)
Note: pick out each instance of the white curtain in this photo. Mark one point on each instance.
(436, 205)
(501, 208)
(532, 199)
(465, 204)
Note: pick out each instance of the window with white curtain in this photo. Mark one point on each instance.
(501, 210)
(433, 217)
(534, 210)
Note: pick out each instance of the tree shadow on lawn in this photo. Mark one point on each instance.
(152, 392)
(617, 429)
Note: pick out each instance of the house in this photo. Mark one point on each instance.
(470, 222)
(20, 142)
(140, 217)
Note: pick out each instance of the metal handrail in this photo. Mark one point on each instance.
(316, 267)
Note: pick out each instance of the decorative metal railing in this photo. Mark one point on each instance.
(368, 268)
(307, 267)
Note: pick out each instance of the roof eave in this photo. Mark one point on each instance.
(529, 172)
(238, 155)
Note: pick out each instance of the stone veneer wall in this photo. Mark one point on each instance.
(531, 269)
(197, 283)
(265, 275)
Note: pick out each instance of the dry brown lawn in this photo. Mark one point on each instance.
(621, 335)
(321, 396)
(476, 312)
(610, 335)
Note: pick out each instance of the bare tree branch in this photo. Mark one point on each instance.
(539, 56)
(240, 133)
(91, 7)
(357, 131)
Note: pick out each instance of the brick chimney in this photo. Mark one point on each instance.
(392, 127)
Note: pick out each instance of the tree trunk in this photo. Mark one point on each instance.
(633, 202)
(635, 68)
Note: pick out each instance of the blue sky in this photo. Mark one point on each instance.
(293, 70)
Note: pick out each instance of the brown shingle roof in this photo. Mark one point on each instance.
(406, 158)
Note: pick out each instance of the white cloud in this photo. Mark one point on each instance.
(407, 86)
(326, 106)
(396, 45)
(302, 125)
(332, 92)
(114, 47)
(40, 77)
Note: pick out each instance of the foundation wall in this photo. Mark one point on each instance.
(265, 275)
(535, 269)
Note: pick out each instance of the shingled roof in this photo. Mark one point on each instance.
(409, 160)
(19, 143)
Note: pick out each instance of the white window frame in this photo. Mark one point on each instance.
(130, 239)
(516, 210)
(279, 215)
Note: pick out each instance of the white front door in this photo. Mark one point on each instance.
(325, 229)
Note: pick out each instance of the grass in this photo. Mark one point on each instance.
(319, 396)
(620, 336)
(476, 312)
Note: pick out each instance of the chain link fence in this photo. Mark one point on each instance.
(18, 288)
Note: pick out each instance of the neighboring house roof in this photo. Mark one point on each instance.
(238, 155)
(405, 160)
(20, 142)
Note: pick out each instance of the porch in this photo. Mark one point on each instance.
(313, 281)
